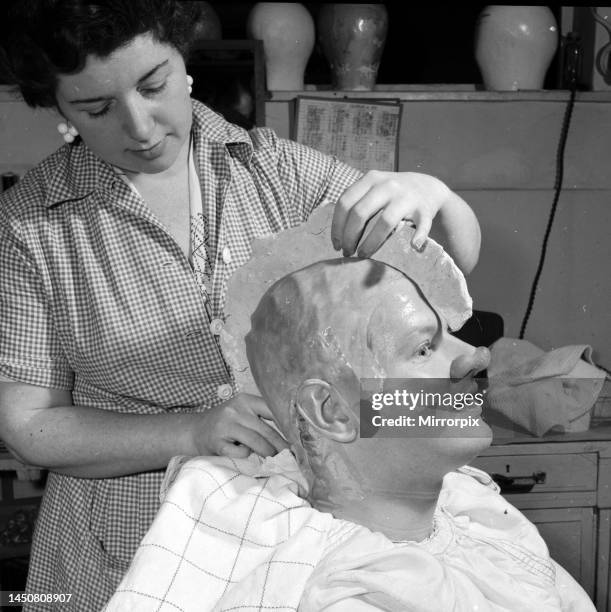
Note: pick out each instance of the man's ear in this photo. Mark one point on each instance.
(326, 410)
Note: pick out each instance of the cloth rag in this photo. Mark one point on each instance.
(543, 391)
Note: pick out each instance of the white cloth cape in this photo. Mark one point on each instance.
(236, 535)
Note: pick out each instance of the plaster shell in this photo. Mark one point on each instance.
(277, 255)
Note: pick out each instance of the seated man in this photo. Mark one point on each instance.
(435, 538)
(389, 523)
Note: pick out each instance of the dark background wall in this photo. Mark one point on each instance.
(426, 43)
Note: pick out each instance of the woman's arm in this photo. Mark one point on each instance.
(456, 228)
(41, 427)
(311, 178)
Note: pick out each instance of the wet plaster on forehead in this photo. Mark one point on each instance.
(386, 337)
(400, 309)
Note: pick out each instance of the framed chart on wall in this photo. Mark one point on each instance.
(362, 133)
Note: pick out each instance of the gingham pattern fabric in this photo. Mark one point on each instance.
(97, 298)
(274, 552)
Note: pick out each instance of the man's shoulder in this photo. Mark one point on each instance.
(472, 500)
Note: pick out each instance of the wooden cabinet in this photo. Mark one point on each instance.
(569, 500)
(570, 534)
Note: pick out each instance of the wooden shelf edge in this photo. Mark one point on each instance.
(449, 93)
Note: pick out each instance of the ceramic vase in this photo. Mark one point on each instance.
(352, 38)
(514, 46)
(287, 32)
(208, 25)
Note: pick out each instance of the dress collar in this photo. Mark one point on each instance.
(79, 172)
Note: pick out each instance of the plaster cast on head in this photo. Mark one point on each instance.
(275, 256)
(319, 329)
(316, 323)
(322, 326)
(315, 333)
(310, 342)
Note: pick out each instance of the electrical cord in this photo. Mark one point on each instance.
(573, 69)
(557, 189)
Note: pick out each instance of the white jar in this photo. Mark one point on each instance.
(514, 46)
(287, 32)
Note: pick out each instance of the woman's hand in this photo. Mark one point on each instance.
(396, 196)
(236, 428)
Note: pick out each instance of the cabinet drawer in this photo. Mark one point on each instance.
(562, 472)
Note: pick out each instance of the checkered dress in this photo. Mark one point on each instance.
(97, 298)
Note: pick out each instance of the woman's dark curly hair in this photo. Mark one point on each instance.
(47, 38)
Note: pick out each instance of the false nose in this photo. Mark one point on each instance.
(470, 364)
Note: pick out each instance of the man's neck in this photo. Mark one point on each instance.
(399, 517)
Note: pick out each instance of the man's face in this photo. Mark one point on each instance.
(406, 338)
(403, 338)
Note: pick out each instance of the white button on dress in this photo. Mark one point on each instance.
(224, 391)
(216, 326)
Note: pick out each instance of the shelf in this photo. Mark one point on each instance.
(458, 93)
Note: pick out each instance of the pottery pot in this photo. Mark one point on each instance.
(514, 46)
(352, 38)
(287, 32)
(208, 25)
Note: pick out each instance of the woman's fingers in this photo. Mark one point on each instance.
(253, 440)
(364, 218)
(423, 229)
(259, 410)
(383, 225)
(268, 433)
(370, 210)
(354, 194)
(256, 404)
(274, 438)
(233, 450)
(237, 427)
(265, 432)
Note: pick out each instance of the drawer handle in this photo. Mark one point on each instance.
(518, 484)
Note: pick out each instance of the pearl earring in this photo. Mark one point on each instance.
(69, 132)
(189, 83)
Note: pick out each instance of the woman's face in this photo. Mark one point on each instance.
(132, 108)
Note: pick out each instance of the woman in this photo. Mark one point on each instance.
(114, 257)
